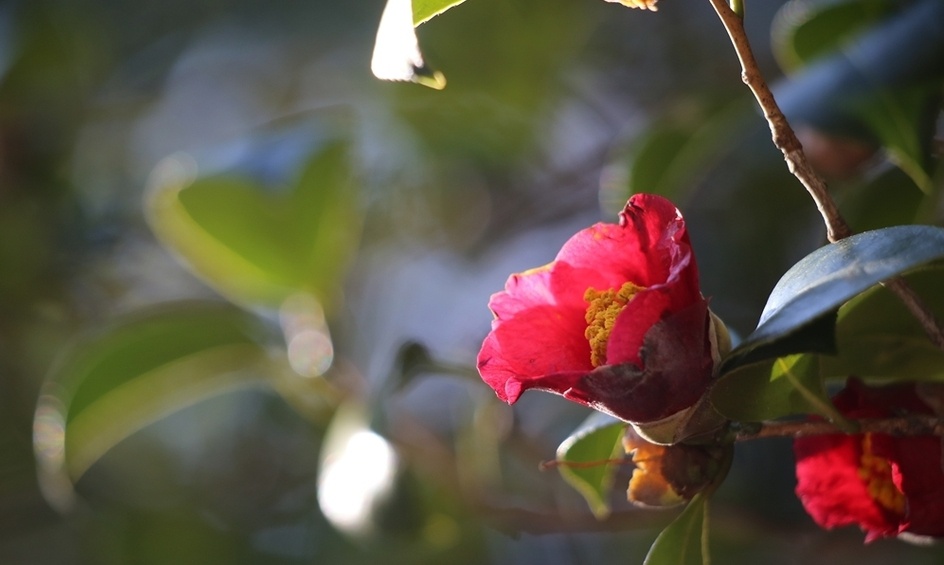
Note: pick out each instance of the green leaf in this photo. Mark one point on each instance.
(813, 289)
(111, 384)
(585, 459)
(325, 214)
(770, 390)
(897, 118)
(864, 37)
(879, 339)
(672, 154)
(259, 248)
(685, 540)
(804, 31)
(424, 10)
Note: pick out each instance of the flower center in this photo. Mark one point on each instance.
(877, 474)
(603, 306)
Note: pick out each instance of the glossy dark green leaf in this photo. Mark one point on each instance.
(825, 279)
(877, 339)
(770, 390)
(259, 248)
(685, 540)
(585, 459)
(133, 372)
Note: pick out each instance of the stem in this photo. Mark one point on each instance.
(786, 140)
(780, 130)
(909, 426)
(917, 307)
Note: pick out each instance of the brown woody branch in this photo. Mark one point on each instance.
(780, 130)
(908, 426)
(786, 140)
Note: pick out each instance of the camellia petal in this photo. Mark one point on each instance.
(615, 322)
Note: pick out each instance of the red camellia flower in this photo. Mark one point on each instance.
(615, 322)
(888, 485)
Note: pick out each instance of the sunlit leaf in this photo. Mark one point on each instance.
(424, 10)
(770, 390)
(396, 49)
(111, 384)
(585, 459)
(259, 248)
(809, 294)
(325, 215)
(685, 540)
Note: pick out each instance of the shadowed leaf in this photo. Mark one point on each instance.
(825, 279)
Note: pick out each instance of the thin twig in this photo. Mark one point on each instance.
(782, 133)
(786, 140)
(917, 425)
(929, 322)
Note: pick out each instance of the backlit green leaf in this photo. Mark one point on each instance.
(424, 10)
(770, 390)
(259, 248)
(585, 459)
(109, 385)
(685, 540)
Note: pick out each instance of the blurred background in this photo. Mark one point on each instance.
(243, 283)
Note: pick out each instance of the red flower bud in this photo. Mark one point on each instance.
(616, 322)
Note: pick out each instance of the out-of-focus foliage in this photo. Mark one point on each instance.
(257, 248)
(877, 72)
(156, 363)
(300, 272)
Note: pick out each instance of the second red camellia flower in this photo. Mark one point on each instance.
(888, 486)
(616, 322)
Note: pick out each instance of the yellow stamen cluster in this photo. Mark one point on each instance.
(603, 306)
(877, 474)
